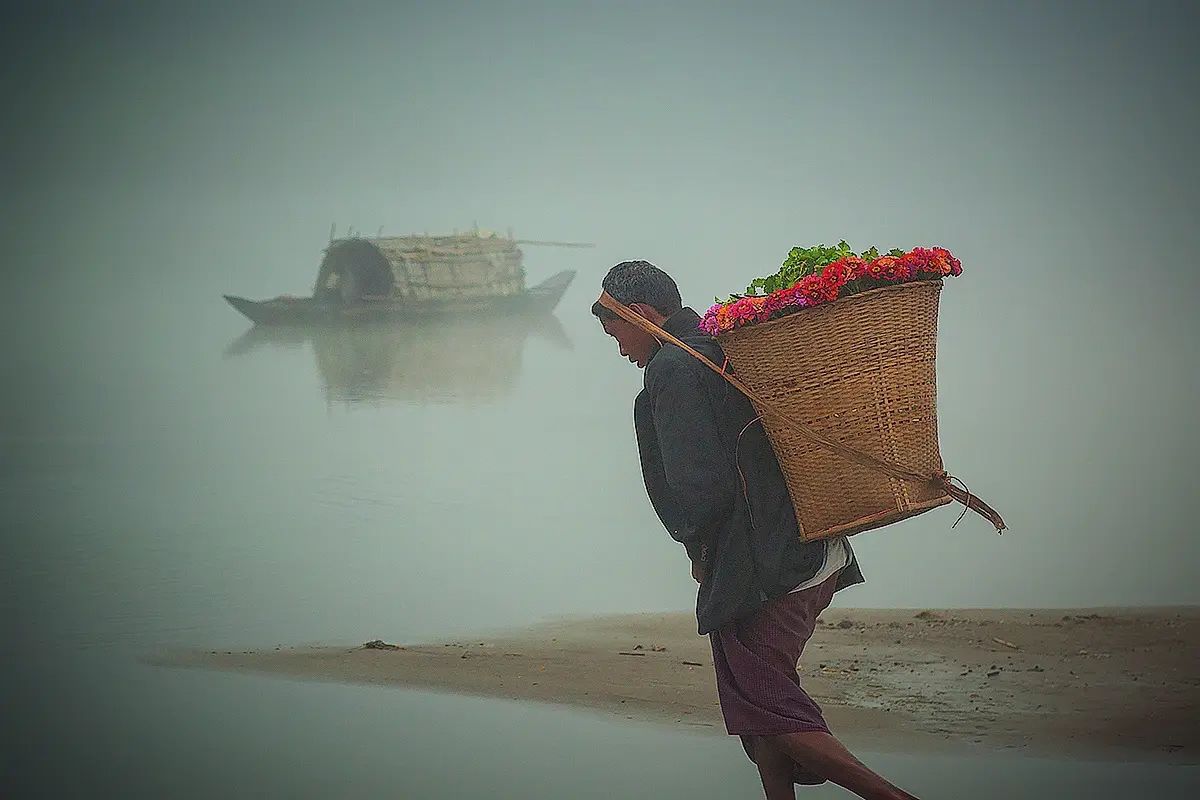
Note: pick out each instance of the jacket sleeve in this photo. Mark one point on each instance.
(698, 471)
(664, 502)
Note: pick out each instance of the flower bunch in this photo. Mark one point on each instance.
(820, 275)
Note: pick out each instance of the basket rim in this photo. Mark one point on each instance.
(758, 326)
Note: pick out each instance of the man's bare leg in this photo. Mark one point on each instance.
(775, 770)
(821, 753)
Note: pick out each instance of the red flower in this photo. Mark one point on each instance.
(815, 290)
(838, 273)
(916, 261)
(899, 271)
(857, 266)
(946, 263)
(943, 262)
(777, 301)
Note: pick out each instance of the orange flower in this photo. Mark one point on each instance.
(881, 267)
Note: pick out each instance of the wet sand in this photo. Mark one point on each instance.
(1093, 683)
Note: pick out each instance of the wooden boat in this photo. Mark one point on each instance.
(407, 277)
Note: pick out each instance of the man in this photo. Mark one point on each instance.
(717, 487)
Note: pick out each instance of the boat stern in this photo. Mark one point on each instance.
(551, 290)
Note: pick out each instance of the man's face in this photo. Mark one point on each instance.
(634, 343)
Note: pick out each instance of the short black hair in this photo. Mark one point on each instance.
(639, 282)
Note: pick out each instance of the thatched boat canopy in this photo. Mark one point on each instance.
(420, 267)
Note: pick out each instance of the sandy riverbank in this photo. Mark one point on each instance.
(1094, 683)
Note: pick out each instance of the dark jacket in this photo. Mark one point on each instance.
(743, 527)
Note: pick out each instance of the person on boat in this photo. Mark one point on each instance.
(351, 293)
(333, 291)
(341, 287)
(717, 487)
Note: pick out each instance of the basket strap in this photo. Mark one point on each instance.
(942, 480)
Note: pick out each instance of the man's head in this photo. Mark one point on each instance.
(648, 291)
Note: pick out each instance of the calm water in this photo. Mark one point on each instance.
(173, 480)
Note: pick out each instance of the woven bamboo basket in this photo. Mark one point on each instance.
(861, 372)
(848, 394)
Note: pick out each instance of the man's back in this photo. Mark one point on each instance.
(714, 480)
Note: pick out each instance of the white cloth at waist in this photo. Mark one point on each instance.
(837, 555)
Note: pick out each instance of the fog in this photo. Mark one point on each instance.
(169, 478)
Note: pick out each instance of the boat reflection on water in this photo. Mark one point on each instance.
(467, 360)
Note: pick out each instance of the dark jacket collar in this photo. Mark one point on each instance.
(682, 324)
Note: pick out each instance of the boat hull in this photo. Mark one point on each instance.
(304, 310)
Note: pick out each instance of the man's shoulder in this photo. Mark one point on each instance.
(668, 359)
(673, 362)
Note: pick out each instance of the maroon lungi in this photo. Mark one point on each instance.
(755, 661)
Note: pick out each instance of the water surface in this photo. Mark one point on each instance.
(178, 480)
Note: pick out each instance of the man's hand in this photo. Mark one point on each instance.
(698, 571)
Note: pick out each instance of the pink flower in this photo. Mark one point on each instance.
(744, 311)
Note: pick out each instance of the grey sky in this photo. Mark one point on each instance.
(200, 148)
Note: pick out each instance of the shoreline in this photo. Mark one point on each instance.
(1058, 683)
